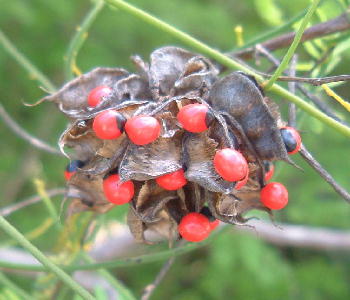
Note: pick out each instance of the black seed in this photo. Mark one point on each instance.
(267, 166)
(121, 120)
(74, 165)
(205, 211)
(209, 118)
(288, 140)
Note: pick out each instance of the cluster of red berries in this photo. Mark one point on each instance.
(229, 163)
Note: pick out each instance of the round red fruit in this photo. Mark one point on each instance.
(142, 130)
(194, 117)
(97, 94)
(172, 181)
(194, 227)
(291, 139)
(118, 192)
(274, 195)
(214, 224)
(108, 125)
(230, 164)
(72, 168)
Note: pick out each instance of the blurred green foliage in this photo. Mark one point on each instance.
(234, 266)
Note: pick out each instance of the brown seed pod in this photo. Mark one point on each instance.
(241, 118)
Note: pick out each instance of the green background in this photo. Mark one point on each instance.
(233, 266)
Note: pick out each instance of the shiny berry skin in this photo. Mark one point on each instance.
(96, 95)
(214, 224)
(118, 192)
(194, 227)
(142, 130)
(108, 125)
(274, 195)
(269, 170)
(172, 181)
(291, 139)
(242, 182)
(230, 164)
(195, 117)
(72, 168)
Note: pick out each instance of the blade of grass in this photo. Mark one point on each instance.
(228, 62)
(33, 71)
(70, 66)
(285, 61)
(19, 291)
(47, 263)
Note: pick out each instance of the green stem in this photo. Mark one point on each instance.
(228, 62)
(8, 283)
(49, 265)
(79, 39)
(286, 59)
(33, 71)
(124, 262)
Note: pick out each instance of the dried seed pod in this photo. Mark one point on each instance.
(241, 118)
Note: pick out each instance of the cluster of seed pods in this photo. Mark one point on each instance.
(183, 146)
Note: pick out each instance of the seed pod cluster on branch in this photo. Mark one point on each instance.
(173, 140)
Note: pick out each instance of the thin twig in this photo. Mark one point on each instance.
(315, 81)
(6, 211)
(323, 173)
(291, 86)
(149, 289)
(25, 135)
(318, 102)
(338, 24)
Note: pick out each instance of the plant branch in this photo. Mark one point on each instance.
(78, 40)
(148, 291)
(33, 71)
(229, 62)
(25, 135)
(338, 24)
(47, 263)
(315, 81)
(297, 38)
(323, 173)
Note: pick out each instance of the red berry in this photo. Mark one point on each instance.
(96, 95)
(274, 195)
(269, 172)
(142, 130)
(72, 168)
(291, 139)
(194, 227)
(242, 182)
(194, 117)
(214, 224)
(116, 191)
(230, 164)
(108, 125)
(172, 181)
